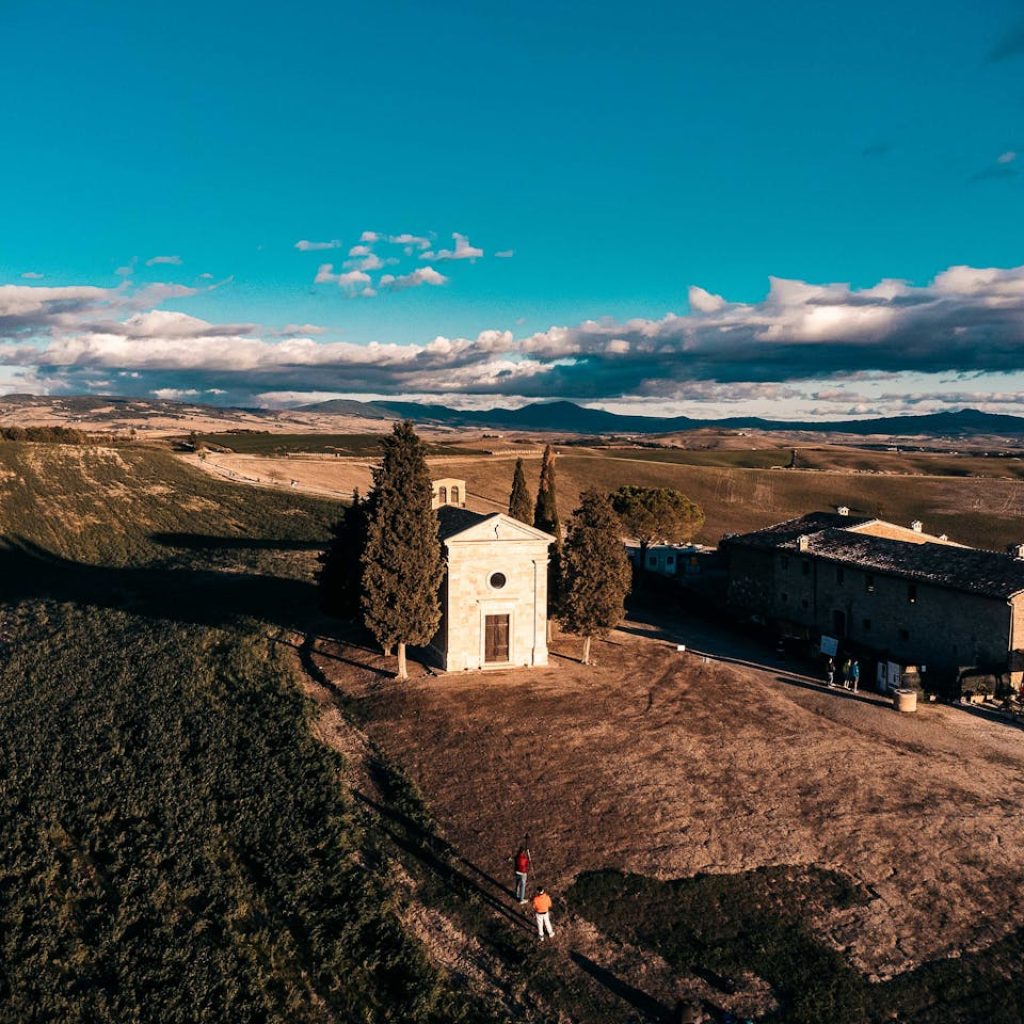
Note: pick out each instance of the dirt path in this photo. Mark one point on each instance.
(664, 764)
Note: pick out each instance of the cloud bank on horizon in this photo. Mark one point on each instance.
(803, 343)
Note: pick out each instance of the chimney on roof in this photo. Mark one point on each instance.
(843, 510)
(917, 526)
(1017, 550)
(803, 542)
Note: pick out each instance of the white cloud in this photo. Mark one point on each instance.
(505, 254)
(703, 301)
(159, 291)
(32, 275)
(967, 321)
(356, 282)
(206, 276)
(26, 306)
(305, 245)
(420, 276)
(463, 250)
(410, 241)
(174, 394)
(325, 274)
(174, 261)
(1006, 158)
(371, 262)
(300, 330)
(360, 250)
(369, 236)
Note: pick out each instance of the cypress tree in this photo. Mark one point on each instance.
(520, 504)
(402, 563)
(545, 513)
(340, 577)
(596, 573)
(545, 517)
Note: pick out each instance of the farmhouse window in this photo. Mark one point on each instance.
(497, 580)
(442, 495)
(803, 603)
(869, 583)
(455, 495)
(905, 635)
(652, 561)
(785, 562)
(867, 625)
(806, 568)
(785, 598)
(840, 574)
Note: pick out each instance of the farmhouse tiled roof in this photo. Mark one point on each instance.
(831, 537)
(452, 520)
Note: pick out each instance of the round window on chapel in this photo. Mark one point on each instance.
(498, 580)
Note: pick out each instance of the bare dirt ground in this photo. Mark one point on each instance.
(666, 764)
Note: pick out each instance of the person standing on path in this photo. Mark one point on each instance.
(830, 673)
(855, 674)
(846, 674)
(542, 908)
(521, 862)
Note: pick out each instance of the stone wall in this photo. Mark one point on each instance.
(911, 623)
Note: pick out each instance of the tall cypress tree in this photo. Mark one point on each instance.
(402, 563)
(520, 504)
(596, 573)
(341, 575)
(545, 513)
(545, 517)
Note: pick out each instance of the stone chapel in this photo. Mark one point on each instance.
(494, 598)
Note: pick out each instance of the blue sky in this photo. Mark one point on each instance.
(618, 156)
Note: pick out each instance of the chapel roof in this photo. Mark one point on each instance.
(452, 520)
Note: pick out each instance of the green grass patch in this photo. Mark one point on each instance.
(246, 442)
(177, 846)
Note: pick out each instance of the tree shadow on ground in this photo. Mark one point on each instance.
(440, 858)
(180, 594)
(413, 836)
(650, 1007)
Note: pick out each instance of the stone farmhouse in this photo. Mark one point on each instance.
(882, 589)
(494, 599)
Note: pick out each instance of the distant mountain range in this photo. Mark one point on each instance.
(572, 418)
(566, 417)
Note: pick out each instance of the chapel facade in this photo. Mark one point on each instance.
(494, 599)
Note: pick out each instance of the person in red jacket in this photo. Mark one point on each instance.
(542, 908)
(521, 862)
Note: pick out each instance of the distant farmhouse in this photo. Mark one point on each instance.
(900, 594)
(494, 599)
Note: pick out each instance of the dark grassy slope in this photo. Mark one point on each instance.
(176, 846)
